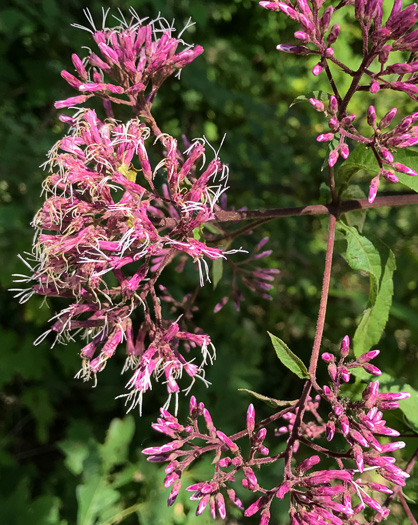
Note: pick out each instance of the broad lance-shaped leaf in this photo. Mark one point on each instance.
(371, 255)
(270, 401)
(288, 358)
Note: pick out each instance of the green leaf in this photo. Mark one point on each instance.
(288, 358)
(354, 218)
(409, 157)
(371, 255)
(270, 401)
(361, 159)
(78, 446)
(198, 233)
(319, 95)
(94, 497)
(115, 449)
(217, 271)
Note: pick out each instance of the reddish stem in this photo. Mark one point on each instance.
(324, 297)
(407, 509)
(296, 211)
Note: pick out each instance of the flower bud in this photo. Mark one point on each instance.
(387, 119)
(404, 169)
(334, 124)
(374, 87)
(371, 369)
(297, 50)
(358, 457)
(317, 70)
(345, 425)
(307, 464)
(250, 419)
(386, 154)
(389, 175)
(348, 120)
(325, 137)
(333, 34)
(333, 157)
(317, 104)
(333, 105)
(371, 116)
(220, 503)
(174, 493)
(330, 430)
(345, 347)
(302, 36)
(369, 395)
(233, 447)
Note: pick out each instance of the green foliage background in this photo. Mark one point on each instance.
(69, 454)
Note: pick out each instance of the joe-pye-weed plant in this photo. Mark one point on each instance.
(125, 200)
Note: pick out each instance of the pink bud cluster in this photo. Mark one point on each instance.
(314, 29)
(315, 24)
(361, 422)
(256, 279)
(319, 496)
(137, 57)
(184, 449)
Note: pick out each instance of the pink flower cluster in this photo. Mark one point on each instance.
(122, 201)
(335, 496)
(317, 30)
(137, 56)
(249, 274)
(112, 222)
(100, 245)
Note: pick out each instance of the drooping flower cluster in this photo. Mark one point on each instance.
(317, 30)
(112, 222)
(320, 496)
(99, 242)
(122, 201)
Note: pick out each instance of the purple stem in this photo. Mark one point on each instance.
(296, 211)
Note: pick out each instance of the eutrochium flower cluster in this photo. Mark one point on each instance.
(112, 221)
(124, 200)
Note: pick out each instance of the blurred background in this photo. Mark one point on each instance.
(68, 453)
